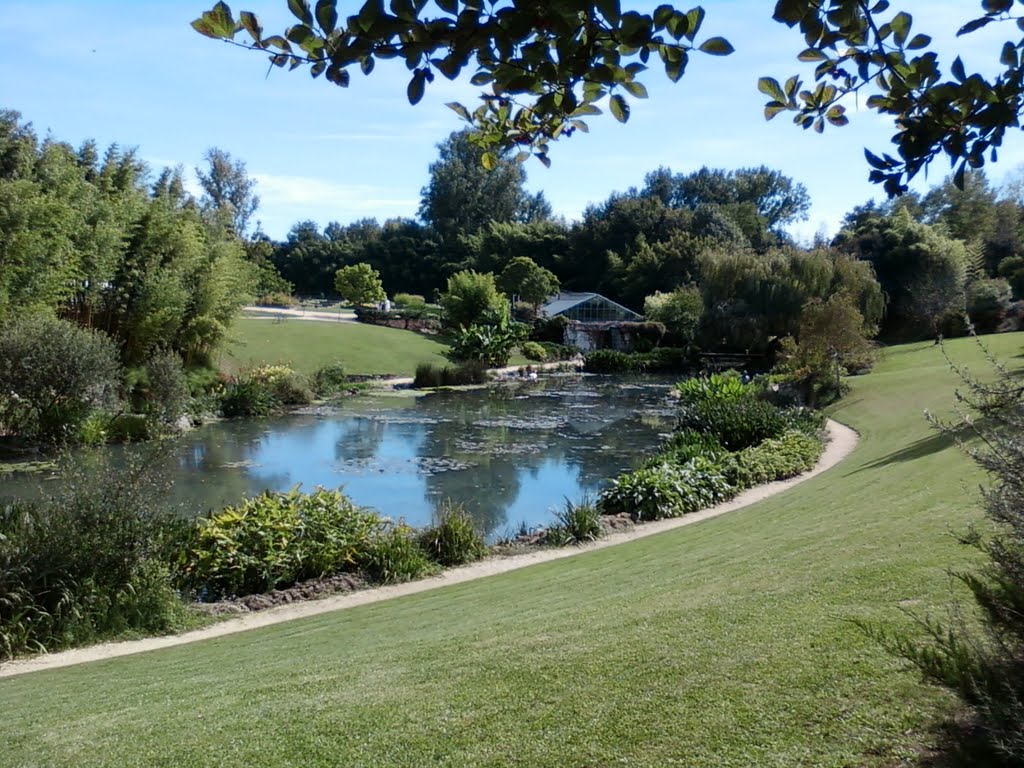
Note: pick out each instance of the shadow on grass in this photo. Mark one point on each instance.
(957, 743)
(926, 446)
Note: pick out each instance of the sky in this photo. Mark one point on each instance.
(135, 73)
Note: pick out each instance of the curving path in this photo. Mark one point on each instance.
(842, 441)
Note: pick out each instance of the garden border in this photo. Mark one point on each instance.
(841, 442)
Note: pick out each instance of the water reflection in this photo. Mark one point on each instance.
(510, 453)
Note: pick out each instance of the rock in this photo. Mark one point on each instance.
(183, 424)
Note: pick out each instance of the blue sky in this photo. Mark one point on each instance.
(134, 72)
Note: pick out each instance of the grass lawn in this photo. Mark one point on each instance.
(307, 345)
(727, 643)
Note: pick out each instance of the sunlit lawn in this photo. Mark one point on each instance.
(727, 643)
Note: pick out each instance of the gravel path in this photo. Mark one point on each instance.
(842, 441)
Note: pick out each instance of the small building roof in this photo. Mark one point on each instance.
(567, 300)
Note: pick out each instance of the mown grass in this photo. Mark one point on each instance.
(307, 345)
(727, 643)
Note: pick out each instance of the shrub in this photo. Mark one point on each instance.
(609, 361)
(430, 375)
(575, 524)
(53, 373)
(666, 490)
(806, 420)
(409, 301)
(167, 388)
(680, 311)
(472, 299)
(453, 540)
(555, 351)
(289, 387)
(488, 344)
(130, 428)
(735, 424)
(330, 380)
(780, 458)
(719, 387)
(532, 350)
(550, 329)
(394, 555)
(274, 540)
(85, 564)
(359, 284)
(277, 299)
(664, 360)
(685, 444)
(988, 301)
(245, 397)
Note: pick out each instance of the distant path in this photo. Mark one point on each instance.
(269, 313)
(842, 441)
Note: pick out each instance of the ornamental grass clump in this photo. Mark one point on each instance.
(394, 555)
(453, 540)
(575, 524)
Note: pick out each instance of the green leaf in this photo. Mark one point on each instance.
(901, 27)
(997, 6)
(369, 13)
(957, 69)
(489, 160)
(635, 89)
(460, 110)
(217, 23)
(416, 87)
(619, 108)
(300, 10)
(694, 19)
(251, 24)
(918, 41)
(811, 54)
(448, 6)
(772, 108)
(770, 87)
(481, 78)
(609, 9)
(327, 15)
(716, 46)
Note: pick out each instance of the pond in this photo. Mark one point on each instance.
(512, 452)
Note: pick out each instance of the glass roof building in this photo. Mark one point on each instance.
(588, 308)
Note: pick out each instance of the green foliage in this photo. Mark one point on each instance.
(463, 196)
(533, 350)
(84, 564)
(735, 424)
(524, 278)
(679, 311)
(719, 387)
(247, 397)
(288, 387)
(276, 299)
(779, 458)
(359, 284)
(228, 192)
(987, 303)
(575, 524)
(664, 489)
(685, 444)
(555, 351)
(330, 379)
(453, 539)
(609, 361)
(166, 394)
(472, 299)
(394, 555)
(53, 374)
(429, 375)
(660, 360)
(275, 540)
(130, 428)
(491, 345)
(409, 301)
(93, 430)
(550, 329)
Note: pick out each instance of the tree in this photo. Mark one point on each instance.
(227, 189)
(679, 311)
(359, 284)
(463, 196)
(548, 65)
(472, 299)
(533, 284)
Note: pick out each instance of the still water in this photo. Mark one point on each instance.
(511, 453)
